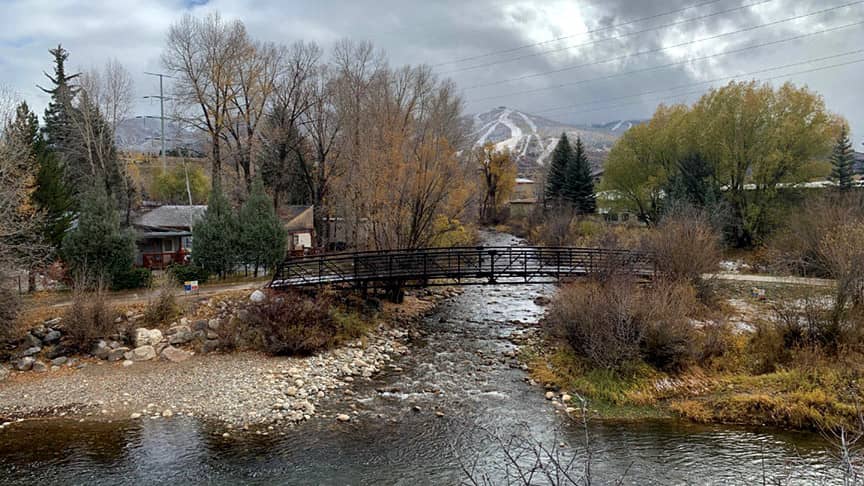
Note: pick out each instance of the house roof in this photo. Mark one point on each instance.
(297, 218)
(170, 216)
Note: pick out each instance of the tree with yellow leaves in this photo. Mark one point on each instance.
(498, 178)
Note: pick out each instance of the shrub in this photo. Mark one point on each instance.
(161, 303)
(292, 324)
(88, 319)
(686, 246)
(132, 278)
(185, 273)
(9, 305)
(615, 322)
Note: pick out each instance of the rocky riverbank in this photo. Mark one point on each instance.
(239, 389)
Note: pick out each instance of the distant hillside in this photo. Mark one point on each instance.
(532, 138)
(142, 135)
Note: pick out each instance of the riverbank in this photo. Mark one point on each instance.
(810, 391)
(243, 389)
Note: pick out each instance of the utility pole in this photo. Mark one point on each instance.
(161, 117)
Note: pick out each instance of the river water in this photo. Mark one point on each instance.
(460, 368)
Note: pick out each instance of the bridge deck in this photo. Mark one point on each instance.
(424, 266)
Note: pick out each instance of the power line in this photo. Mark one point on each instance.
(668, 65)
(620, 36)
(725, 78)
(660, 49)
(615, 26)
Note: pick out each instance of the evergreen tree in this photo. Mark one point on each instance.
(694, 182)
(557, 176)
(578, 185)
(843, 161)
(51, 196)
(262, 237)
(97, 248)
(58, 114)
(215, 239)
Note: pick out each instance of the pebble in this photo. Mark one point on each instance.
(550, 395)
(135, 415)
(343, 417)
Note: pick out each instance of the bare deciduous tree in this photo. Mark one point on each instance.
(205, 54)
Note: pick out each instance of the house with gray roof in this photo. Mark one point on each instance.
(164, 234)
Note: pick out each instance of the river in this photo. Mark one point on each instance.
(461, 370)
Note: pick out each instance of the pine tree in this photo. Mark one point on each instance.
(58, 114)
(215, 239)
(262, 237)
(557, 176)
(842, 161)
(97, 248)
(51, 196)
(578, 184)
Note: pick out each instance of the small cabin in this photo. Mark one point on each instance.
(299, 222)
(163, 234)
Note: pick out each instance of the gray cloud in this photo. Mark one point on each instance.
(446, 30)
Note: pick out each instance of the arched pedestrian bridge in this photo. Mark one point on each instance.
(464, 265)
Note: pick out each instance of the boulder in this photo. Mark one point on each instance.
(144, 337)
(209, 346)
(141, 353)
(175, 355)
(258, 297)
(24, 364)
(117, 354)
(39, 367)
(4, 373)
(32, 341)
(101, 350)
(52, 337)
(181, 334)
(213, 324)
(199, 325)
(59, 361)
(30, 351)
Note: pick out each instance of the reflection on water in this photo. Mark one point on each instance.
(457, 369)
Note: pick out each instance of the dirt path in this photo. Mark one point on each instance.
(62, 300)
(740, 277)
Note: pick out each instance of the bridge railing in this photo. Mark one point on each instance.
(420, 266)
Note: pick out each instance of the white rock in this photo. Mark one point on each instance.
(343, 417)
(550, 395)
(258, 296)
(142, 353)
(144, 337)
(127, 363)
(566, 398)
(135, 415)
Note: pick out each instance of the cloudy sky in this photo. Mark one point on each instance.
(584, 61)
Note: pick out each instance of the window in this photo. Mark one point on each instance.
(168, 245)
(295, 240)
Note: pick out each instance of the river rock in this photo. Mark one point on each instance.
(4, 373)
(116, 354)
(566, 398)
(39, 367)
(258, 297)
(213, 324)
(30, 351)
(52, 337)
(142, 353)
(32, 341)
(59, 361)
(101, 350)
(25, 363)
(199, 325)
(53, 322)
(209, 346)
(550, 395)
(144, 337)
(181, 334)
(343, 417)
(175, 355)
(542, 301)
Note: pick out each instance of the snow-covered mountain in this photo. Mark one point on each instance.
(142, 135)
(532, 138)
